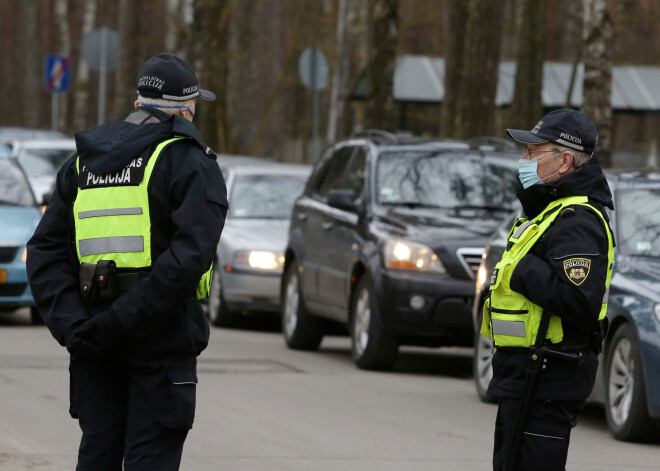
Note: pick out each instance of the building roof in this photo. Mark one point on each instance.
(421, 79)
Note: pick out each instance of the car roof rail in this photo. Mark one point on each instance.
(492, 143)
(377, 135)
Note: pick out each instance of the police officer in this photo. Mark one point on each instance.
(118, 263)
(548, 294)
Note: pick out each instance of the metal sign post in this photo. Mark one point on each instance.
(99, 50)
(313, 70)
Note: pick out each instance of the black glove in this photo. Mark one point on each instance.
(99, 334)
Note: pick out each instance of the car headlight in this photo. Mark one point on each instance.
(259, 259)
(408, 255)
(24, 255)
(481, 275)
(656, 311)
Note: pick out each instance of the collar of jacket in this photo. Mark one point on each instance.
(586, 181)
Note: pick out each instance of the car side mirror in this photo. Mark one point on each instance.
(342, 199)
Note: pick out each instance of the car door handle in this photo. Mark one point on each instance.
(327, 225)
(302, 216)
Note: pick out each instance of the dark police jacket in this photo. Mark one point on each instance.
(540, 277)
(187, 204)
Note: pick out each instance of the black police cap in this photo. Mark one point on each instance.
(565, 127)
(168, 77)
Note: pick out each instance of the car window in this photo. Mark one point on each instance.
(264, 196)
(638, 222)
(444, 179)
(333, 175)
(43, 162)
(14, 188)
(355, 176)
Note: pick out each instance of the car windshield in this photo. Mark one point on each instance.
(14, 188)
(445, 180)
(43, 162)
(638, 222)
(265, 196)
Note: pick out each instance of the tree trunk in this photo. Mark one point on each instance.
(31, 86)
(476, 104)
(337, 92)
(81, 93)
(64, 43)
(384, 38)
(212, 16)
(454, 26)
(598, 43)
(358, 39)
(527, 106)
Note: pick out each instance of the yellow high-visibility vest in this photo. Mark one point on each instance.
(112, 218)
(510, 318)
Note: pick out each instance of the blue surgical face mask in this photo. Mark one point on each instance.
(528, 171)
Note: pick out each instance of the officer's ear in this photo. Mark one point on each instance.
(567, 162)
(136, 104)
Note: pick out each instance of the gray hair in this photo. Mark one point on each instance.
(580, 159)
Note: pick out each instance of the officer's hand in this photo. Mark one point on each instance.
(79, 347)
(103, 331)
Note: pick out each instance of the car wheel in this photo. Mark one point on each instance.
(625, 392)
(35, 317)
(482, 366)
(217, 312)
(301, 330)
(372, 347)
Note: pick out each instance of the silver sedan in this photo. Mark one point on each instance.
(250, 255)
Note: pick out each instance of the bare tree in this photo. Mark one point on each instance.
(527, 106)
(454, 25)
(476, 105)
(30, 88)
(81, 93)
(598, 42)
(384, 39)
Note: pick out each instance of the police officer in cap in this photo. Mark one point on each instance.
(117, 267)
(548, 295)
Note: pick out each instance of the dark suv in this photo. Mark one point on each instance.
(386, 240)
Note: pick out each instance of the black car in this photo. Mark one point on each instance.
(628, 380)
(386, 240)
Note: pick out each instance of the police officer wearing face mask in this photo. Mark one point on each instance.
(548, 295)
(117, 266)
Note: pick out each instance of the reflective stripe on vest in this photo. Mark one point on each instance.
(510, 318)
(113, 222)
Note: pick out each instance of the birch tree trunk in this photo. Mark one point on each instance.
(454, 25)
(337, 92)
(476, 106)
(64, 40)
(598, 45)
(527, 106)
(384, 39)
(81, 93)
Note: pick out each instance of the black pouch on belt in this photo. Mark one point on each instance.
(98, 282)
(86, 281)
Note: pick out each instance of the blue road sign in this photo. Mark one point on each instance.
(57, 73)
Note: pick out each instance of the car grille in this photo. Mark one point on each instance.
(7, 254)
(12, 289)
(470, 258)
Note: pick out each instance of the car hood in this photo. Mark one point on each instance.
(256, 234)
(639, 275)
(425, 223)
(19, 223)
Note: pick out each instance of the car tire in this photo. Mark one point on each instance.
(372, 347)
(482, 367)
(625, 393)
(35, 317)
(301, 330)
(217, 312)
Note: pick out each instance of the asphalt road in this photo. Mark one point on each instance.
(263, 407)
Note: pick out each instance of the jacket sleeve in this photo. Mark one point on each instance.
(198, 198)
(566, 275)
(51, 262)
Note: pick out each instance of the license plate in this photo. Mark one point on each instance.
(3, 276)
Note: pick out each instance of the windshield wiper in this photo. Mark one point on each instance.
(411, 204)
(9, 203)
(485, 206)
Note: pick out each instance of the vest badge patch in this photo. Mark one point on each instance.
(577, 269)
